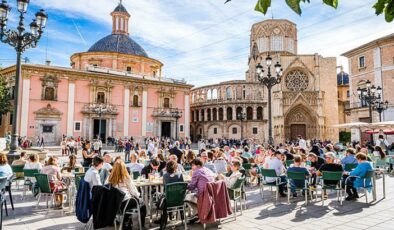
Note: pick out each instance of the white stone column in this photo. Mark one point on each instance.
(144, 112)
(25, 106)
(224, 113)
(234, 113)
(126, 112)
(70, 108)
(187, 116)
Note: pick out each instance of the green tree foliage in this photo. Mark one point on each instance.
(5, 96)
(381, 6)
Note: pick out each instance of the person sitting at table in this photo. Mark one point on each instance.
(274, 162)
(200, 177)
(121, 180)
(72, 164)
(378, 153)
(180, 168)
(134, 165)
(152, 168)
(33, 162)
(355, 177)
(235, 174)
(5, 168)
(160, 158)
(206, 160)
(21, 160)
(92, 176)
(54, 175)
(296, 167)
(329, 166)
(172, 173)
(107, 161)
(315, 161)
(220, 163)
(246, 154)
(349, 158)
(142, 157)
(87, 156)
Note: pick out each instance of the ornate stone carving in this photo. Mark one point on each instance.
(49, 88)
(48, 112)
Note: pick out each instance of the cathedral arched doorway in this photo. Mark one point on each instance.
(301, 120)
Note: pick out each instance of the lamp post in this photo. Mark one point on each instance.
(100, 110)
(370, 95)
(381, 106)
(242, 116)
(20, 40)
(176, 114)
(269, 81)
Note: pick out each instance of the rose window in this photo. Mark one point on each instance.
(296, 81)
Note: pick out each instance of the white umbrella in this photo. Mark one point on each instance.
(353, 125)
(380, 125)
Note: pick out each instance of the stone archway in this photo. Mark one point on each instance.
(301, 120)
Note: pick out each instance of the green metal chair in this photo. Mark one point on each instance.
(247, 167)
(136, 174)
(187, 167)
(332, 176)
(29, 177)
(380, 163)
(235, 193)
(305, 187)
(18, 173)
(175, 195)
(270, 173)
(289, 162)
(45, 189)
(368, 176)
(78, 178)
(390, 153)
(350, 167)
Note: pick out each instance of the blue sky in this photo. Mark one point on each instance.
(202, 41)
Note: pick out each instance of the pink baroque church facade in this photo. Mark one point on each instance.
(113, 90)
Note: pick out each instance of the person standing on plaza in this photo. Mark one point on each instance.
(96, 147)
(382, 143)
(302, 143)
(177, 152)
(127, 150)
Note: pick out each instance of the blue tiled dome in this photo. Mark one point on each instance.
(119, 43)
(342, 78)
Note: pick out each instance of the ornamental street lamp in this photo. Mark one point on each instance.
(20, 40)
(381, 106)
(241, 116)
(100, 109)
(269, 81)
(176, 114)
(370, 95)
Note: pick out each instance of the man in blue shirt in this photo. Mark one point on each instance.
(349, 158)
(296, 167)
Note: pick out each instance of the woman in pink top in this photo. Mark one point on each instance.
(55, 177)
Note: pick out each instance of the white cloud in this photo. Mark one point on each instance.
(207, 42)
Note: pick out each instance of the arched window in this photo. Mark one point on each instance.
(202, 115)
(135, 100)
(214, 114)
(100, 97)
(166, 103)
(229, 93)
(49, 94)
(239, 113)
(229, 113)
(259, 113)
(276, 43)
(209, 94)
(220, 114)
(249, 113)
(214, 94)
(209, 115)
(197, 115)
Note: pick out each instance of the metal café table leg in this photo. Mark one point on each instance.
(384, 186)
(374, 187)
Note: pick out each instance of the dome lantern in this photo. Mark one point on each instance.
(120, 20)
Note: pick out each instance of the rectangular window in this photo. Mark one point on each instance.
(235, 130)
(181, 128)
(47, 128)
(94, 65)
(348, 93)
(254, 130)
(361, 62)
(77, 126)
(215, 130)
(277, 43)
(11, 118)
(128, 69)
